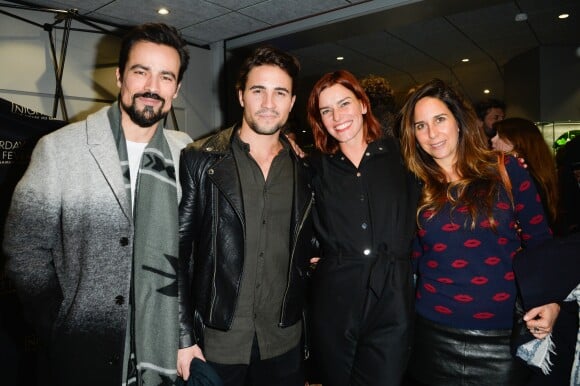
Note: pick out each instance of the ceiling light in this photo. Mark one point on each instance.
(465, 60)
(522, 16)
(486, 91)
(563, 16)
(339, 58)
(163, 11)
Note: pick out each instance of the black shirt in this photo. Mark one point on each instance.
(359, 210)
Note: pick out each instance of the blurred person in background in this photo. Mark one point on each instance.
(381, 97)
(522, 138)
(568, 161)
(488, 112)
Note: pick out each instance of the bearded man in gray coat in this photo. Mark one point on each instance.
(91, 235)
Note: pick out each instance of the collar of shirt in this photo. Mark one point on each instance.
(246, 146)
(373, 149)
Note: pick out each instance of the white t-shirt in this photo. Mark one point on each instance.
(134, 151)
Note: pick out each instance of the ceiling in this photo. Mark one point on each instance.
(407, 41)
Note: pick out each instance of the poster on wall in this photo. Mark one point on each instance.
(20, 130)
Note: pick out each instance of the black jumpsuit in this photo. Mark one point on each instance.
(362, 288)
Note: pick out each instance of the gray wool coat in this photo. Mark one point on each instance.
(69, 243)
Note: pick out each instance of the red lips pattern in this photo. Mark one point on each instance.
(501, 297)
(465, 276)
(432, 264)
(504, 205)
(443, 310)
(462, 298)
(472, 243)
(450, 227)
(459, 263)
(493, 260)
(479, 280)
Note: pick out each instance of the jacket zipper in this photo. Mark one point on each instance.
(296, 234)
(214, 247)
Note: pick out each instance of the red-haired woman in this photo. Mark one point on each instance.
(365, 204)
(522, 138)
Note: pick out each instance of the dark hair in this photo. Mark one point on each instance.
(324, 141)
(476, 165)
(271, 56)
(382, 99)
(482, 107)
(158, 33)
(529, 143)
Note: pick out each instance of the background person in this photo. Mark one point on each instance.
(382, 100)
(522, 138)
(91, 235)
(488, 112)
(549, 273)
(465, 244)
(568, 161)
(361, 298)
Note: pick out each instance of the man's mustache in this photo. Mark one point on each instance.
(268, 111)
(149, 95)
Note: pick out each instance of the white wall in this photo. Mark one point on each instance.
(560, 83)
(543, 85)
(28, 76)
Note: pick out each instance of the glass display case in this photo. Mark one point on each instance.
(557, 134)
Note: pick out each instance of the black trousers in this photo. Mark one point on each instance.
(360, 332)
(284, 370)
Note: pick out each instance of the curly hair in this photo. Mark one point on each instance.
(529, 143)
(476, 165)
(382, 99)
(323, 141)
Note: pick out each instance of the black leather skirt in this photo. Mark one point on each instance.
(447, 356)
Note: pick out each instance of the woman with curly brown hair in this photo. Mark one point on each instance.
(465, 244)
(362, 288)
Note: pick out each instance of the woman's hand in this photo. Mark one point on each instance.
(297, 149)
(540, 320)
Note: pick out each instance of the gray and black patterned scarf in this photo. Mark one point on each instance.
(153, 329)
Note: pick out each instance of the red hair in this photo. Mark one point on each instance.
(324, 141)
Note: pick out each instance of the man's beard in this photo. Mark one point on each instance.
(148, 116)
(261, 129)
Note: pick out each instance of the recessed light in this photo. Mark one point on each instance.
(163, 11)
(522, 16)
(563, 16)
(465, 60)
(486, 91)
(339, 58)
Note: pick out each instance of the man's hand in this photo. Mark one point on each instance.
(184, 358)
(540, 320)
